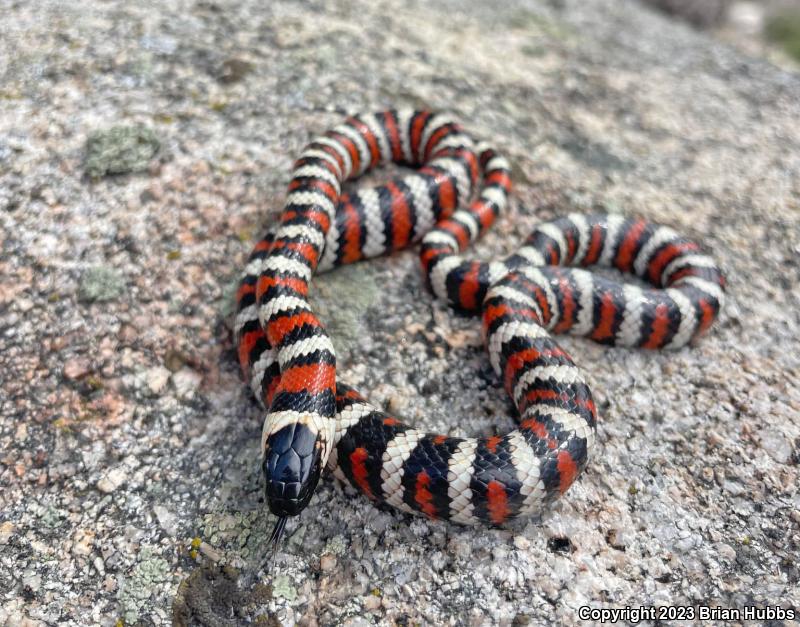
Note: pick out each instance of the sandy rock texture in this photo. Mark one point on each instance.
(130, 490)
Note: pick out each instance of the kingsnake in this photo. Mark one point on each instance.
(288, 359)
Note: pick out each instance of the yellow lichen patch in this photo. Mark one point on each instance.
(195, 544)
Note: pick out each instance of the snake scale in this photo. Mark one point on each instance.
(458, 188)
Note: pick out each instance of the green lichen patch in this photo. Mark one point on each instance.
(120, 150)
(146, 578)
(282, 587)
(238, 535)
(355, 285)
(226, 304)
(100, 284)
(335, 546)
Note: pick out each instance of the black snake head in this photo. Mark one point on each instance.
(292, 466)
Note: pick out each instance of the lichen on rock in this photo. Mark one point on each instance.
(120, 150)
(101, 284)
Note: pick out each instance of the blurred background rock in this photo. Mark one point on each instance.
(769, 28)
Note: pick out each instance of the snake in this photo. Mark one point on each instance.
(454, 190)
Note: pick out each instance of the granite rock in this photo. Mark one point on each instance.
(130, 487)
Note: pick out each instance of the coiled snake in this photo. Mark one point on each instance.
(289, 361)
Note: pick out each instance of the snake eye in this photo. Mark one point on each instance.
(292, 466)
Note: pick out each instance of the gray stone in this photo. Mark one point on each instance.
(166, 519)
(112, 479)
(157, 379)
(186, 382)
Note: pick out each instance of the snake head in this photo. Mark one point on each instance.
(292, 466)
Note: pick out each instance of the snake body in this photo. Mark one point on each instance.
(288, 359)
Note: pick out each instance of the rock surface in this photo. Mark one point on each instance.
(129, 471)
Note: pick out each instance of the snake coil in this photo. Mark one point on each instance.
(288, 359)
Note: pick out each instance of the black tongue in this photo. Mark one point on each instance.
(277, 532)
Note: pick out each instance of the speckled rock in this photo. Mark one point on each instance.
(130, 487)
